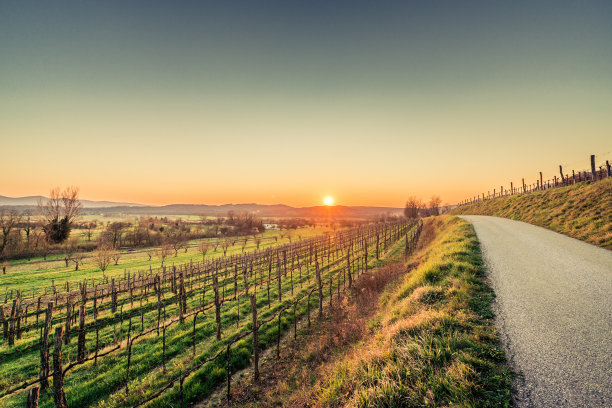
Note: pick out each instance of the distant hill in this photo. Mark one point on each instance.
(33, 201)
(262, 210)
(274, 210)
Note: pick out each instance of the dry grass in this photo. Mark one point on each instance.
(582, 211)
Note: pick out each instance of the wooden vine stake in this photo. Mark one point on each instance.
(82, 331)
(58, 376)
(32, 401)
(255, 338)
(44, 348)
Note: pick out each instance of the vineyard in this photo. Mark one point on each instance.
(170, 336)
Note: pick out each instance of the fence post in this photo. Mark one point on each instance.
(319, 286)
(608, 166)
(32, 401)
(561, 171)
(44, 348)
(81, 340)
(217, 305)
(255, 338)
(593, 167)
(58, 376)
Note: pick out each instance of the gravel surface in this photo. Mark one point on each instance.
(553, 311)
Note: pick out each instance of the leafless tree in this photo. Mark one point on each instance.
(70, 249)
(150, 253)
(8, 221)
(103, 257)
(257, 240)
(203, 248)
(434, 205)
(413, 205)
(116, 256)
(164, 251)
(224, 245)
(90, 226)
(78, 259)
(59, 212)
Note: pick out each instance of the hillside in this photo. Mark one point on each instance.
(582, 211)
(424, 336)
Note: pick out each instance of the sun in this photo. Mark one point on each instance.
(329, 200)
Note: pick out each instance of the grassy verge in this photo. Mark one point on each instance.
(422, 337)
(581, 211)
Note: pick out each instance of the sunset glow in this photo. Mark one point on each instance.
(329, 200)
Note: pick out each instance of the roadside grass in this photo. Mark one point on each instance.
(582, 211)
(436, 345)
(424, 337)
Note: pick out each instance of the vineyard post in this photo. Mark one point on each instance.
(593, 167)
(319, 286)
(58, 376)
(32, 401)
(609, 168)
(294, 322)
(377, 242)
(229, 372)
(541, 185)
(81, 340)
(255, 338)
(279, 273)
(44, 348)
(217, 305)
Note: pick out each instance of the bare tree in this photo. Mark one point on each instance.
(90, 226)
(413, 205)
(224, 245)
(164, 251)
(434, 205)
(103, 257)
(257, 240)
(59, 212)
(70, 249)
(244, 243)
(78, 259)
(116, 256)
(150, 253)
(203, 248)
(8, 221)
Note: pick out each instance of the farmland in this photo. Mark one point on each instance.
(162, 335)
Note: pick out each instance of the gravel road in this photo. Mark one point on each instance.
(553, 311)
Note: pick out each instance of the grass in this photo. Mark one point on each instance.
(102, 385)
(424, 339)
(582, 211)
(37, 274)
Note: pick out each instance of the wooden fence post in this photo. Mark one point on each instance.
(217, 305)
(561, 171)
(609, 168)
(82, 331)
(319, 286)
(58, 376)
(255, 338)
(32, 401)
(593, 167)
(44, 348)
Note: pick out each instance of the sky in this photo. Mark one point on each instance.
(162, 102)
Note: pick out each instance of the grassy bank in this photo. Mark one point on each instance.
(582, 211)
(423, 336)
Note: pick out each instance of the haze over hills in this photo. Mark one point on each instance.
(33, 201)
(262, 210)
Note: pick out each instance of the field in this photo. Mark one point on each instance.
(163, 334)
(41, 272)
(581, 211)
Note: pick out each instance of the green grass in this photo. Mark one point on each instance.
(102, 385)
(37, 274)
(582, 211)
(435, 343)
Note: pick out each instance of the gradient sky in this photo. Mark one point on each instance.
(288, 101)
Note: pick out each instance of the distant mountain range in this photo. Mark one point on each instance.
(33, 201)
(262, 210)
